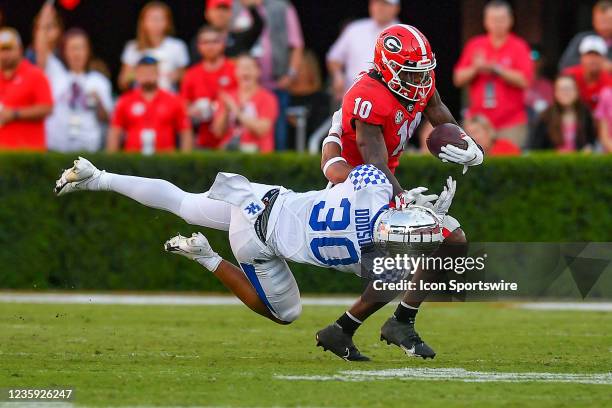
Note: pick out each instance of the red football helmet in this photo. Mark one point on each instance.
(405, 59)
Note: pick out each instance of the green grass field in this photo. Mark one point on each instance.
(227, 356)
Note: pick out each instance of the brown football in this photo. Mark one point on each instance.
(443, 135)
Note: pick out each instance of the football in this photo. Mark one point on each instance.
(443, 135)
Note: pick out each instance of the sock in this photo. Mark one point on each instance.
(348, 323)
(405, 313)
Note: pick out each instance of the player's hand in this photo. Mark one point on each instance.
(414, 197)
(445, 200)
(472, 156)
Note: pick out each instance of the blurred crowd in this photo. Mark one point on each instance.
(246, 82)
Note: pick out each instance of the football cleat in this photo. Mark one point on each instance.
(332, 338)
(196, 248)
(82, 176)
(405, 337)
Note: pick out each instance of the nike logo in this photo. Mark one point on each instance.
(348, 353)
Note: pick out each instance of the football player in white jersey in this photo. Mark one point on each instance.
(267, 226)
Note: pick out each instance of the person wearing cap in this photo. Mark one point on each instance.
(148, 116)
(204, 81)
(352, 52)
(497, 68)
(25, 97)
(241, 36)
(591, 74)
(602, 26)
(154, 38)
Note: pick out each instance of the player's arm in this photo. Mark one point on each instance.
(334, 166)
(371, 145)
(437, 113)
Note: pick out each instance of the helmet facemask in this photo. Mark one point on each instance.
(411, 83)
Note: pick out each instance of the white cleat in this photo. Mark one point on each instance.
(82, 176)
(196, 248)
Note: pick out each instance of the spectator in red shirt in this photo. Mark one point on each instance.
(204, 81)
(591, 75)
(25, 97)
(149, 116)
(251, 111)
(480, 128)
(497, 68)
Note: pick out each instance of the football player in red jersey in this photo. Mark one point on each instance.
(379, 114)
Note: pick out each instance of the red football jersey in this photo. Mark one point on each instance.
(370, 101)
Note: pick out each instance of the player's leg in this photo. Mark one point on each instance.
(399, 328)
(370, 301)
(268, 274)
(233, 278)
(196, 209)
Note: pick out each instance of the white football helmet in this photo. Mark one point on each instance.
(413, 228)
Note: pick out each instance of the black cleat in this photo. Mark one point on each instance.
(332, 338)
(405, 337)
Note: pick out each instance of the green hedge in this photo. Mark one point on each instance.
(105, 241)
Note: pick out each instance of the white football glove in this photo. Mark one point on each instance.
(445, 200)
(472, 156)
(414, 197)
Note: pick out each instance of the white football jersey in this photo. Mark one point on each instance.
(329, 227)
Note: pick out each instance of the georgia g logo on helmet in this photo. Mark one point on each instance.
(393, 44)
(405, 60)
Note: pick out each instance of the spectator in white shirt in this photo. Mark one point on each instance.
(353, 51)
(82, 97)
(153, 38)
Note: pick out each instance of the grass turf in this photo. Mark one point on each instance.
(227, 356)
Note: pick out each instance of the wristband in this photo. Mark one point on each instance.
(332, 139)
(330, 162)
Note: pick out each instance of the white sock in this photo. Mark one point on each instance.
(195, 209)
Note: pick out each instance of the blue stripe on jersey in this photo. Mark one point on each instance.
(249, 271)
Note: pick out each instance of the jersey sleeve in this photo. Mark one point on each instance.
(366, 103)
